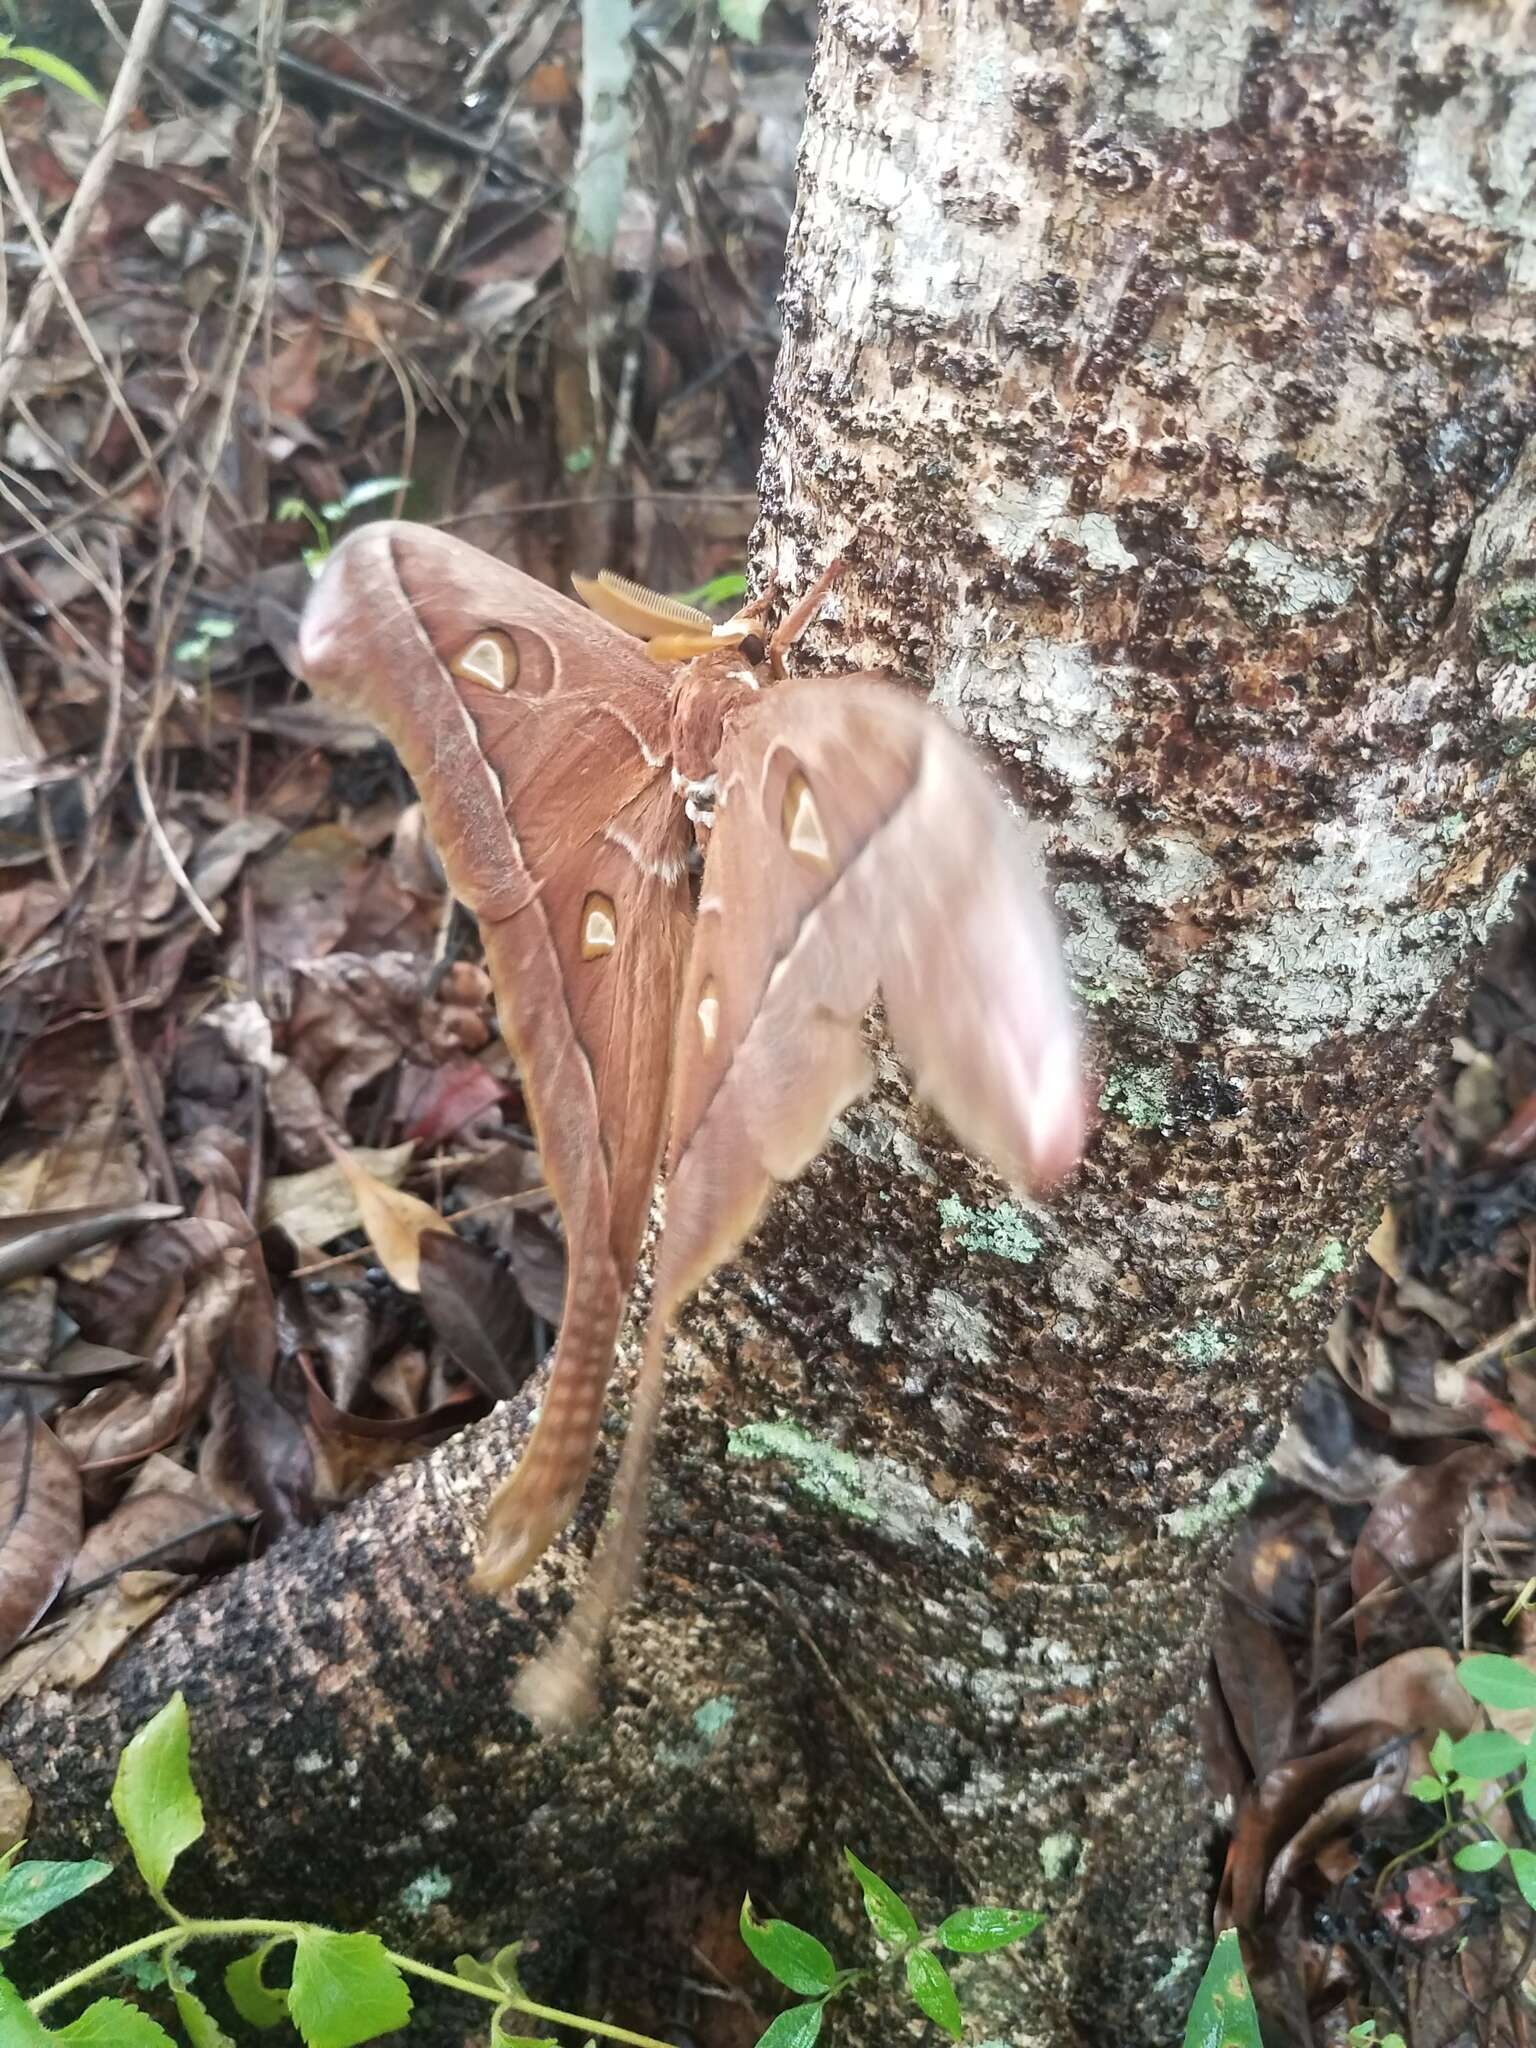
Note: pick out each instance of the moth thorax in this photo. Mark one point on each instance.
(703, 700)
(599, 926)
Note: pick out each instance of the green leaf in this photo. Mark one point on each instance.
(213, 628)
(928, 1982)
(345, 1989)
(1479, 1856)
(719, 590)
(1440, 1753)
(112, 2023)
(1528, 1793)
(154, 1798)
(796, 1958)
(1498, 1681)
(1488, 1754)
(475, 1972)
(1222, 2015)
(19, 2025)
(258, 2003)
(1428, 1788)
(579, 461)
(195, 649)
(203, 2030)
(29, 1890)
(146, 1973)
(48, 66)
(1358, 2036)
(744, 18)
(977, 1930)
(1522, 1863)
(365, 493)
(797, 2028)
(888, 1915)
(504, 1967)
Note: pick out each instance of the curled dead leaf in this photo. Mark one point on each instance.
(71, 1652)
(40, 1515)
(42, 1239)
(394, 1220)
(477, 1308)
(320, 1205)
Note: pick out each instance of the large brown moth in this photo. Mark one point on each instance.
(852, 845)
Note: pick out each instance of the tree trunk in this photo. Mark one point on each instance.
(1163, 371)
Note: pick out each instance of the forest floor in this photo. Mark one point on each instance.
(244, 1034)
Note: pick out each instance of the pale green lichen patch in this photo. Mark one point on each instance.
(1204, 1343)
(1005, 1231)
(1183, 1963)
(1230, 1494)
(1139, 1096)
(834, 1478)
(426, 1891)
(1507, 624)
(873, 1490)
(1058, 1856)
(1287, 584)
(1330, 1260)
(714, 1717)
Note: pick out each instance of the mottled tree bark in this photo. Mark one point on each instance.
(1164, 372)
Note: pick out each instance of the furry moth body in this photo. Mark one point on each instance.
(854, 845)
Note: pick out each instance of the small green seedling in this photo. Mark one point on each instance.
(198, 646)
(806, 1966)
(324, 522)
(1366, 2036)
(1471, 1770)
(42, 64)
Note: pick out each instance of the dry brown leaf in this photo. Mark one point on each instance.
(317, 1207)
(44, 1238)
(121, 1423)
(163, 1507)
(1414, 1691)
(1382, 1244)
(76, 1649)
(39, 1523)
(27, 1314)
(394, 1220)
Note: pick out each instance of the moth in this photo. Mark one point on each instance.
(569, 761)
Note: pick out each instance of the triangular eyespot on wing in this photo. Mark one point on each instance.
(491, 659)
(800, 821)
(708, 1013)
(599, 926)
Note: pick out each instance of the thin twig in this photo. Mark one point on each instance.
(395, 114)
(133, 1072)
(23, 338)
